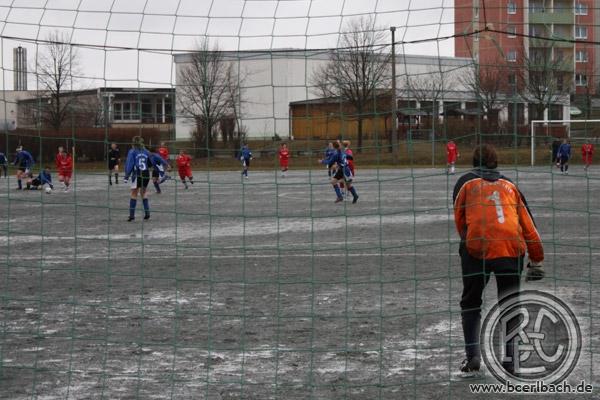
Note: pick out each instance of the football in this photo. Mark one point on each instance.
(48, 190)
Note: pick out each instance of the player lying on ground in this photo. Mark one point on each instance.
(563, 156)
(284, 159)
(341, 172)
(245, 158)
(137, 167)
(43, 179)
(496, 228)
(114, 158)
(64, 167)
(587, 154)
(4, 164)
(24, 162)
(184, 166)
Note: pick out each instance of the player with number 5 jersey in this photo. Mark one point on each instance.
(496, 229)
(137, 167)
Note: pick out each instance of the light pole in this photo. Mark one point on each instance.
(394, 99)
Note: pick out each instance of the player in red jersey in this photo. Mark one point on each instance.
(587, 153)
(452, 154)
(64, 166)
(184, 165)
(284, 159)
(163, 152)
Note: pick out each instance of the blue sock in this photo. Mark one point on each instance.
(132, 204)
(353, 191)
(146, 206)
(19, 184)
(338, 192)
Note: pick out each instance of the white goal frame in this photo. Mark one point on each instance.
(553, 121)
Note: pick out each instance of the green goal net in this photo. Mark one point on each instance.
(191, 244)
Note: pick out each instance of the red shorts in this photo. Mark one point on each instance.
(185, 172)
(284, 164)
(65, 174)
(587, 159)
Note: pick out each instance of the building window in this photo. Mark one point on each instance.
(512, 7)
(511, 30)
(580, 80)
(581, 56)
(535, 30)
(560, 82)
(511, 56)
(536, 7)
(476, 12)
(559, 55)
(581, 9)
(126, 111)
(512, 79)
(581, 32)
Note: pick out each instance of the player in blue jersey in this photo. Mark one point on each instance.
(563, 156)
(341, 173)
(159, 166)
(4, 164)
(245, 157)
(24, 162)
(44, 178)
(137, 167)
(329, 151)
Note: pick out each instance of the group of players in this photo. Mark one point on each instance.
(561, 154)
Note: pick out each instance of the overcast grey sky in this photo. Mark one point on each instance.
(175, 25)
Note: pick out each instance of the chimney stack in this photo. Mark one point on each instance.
(20, 68)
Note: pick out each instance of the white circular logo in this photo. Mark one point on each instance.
(530, 336)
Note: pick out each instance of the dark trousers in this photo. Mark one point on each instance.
(476, 274)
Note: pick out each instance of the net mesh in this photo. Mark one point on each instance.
(256, 285)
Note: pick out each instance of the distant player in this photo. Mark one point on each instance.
(114, 158)
(587, 153)
(159, 166)
(184, 166)
(451, 155)
(284, 159)
(245, 158)
(341, 172)
(555, 145)
(64, 167)
(496, 228)
(349, 158)
(137, 167)
(44, 179)
(329, 151)
(563, 156)
(4, 164)
(163, 150)
(24, 162)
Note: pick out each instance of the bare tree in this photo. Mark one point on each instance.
(489, 85)
(357, 70)
(57, 67)
(427, 87)
(209, 91)
(542, 74)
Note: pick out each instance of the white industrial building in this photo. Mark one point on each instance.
(274, 79)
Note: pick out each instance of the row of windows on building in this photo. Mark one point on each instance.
(538, 7)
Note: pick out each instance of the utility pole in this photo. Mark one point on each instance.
(394, 99)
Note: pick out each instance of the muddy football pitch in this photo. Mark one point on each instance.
(264, 288)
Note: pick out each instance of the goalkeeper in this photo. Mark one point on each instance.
(496, 228)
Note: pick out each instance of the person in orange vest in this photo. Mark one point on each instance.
(587, 153)
(496, 229)
(451, 154)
